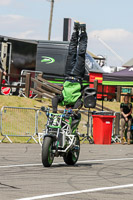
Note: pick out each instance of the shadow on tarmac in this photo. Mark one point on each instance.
(77, 165)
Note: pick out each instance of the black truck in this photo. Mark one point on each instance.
(48, 57)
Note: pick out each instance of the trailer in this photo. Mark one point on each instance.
(47, 57)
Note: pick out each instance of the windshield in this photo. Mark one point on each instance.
(92, 65)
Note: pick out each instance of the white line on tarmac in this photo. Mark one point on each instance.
(77, 192)
(105, 160)
(21, 165)
(79, 162)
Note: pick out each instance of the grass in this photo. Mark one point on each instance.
(28, 117)
(111, 105)
(15, 101)
(10, 122)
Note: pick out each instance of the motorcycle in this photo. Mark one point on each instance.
(61, 137)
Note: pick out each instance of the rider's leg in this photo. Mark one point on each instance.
(79, 68)
(72, 51)
(78, 104)
(57, 99)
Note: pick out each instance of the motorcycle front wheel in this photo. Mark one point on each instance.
(72, 156)
(47, 155)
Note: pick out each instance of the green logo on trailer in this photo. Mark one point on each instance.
(47, 60)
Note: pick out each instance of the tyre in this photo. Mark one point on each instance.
(47, 155)
(72, 156)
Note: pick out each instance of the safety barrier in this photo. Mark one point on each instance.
(20, 122)
(115, 126)
(30, 122)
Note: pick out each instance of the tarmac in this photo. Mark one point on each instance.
(102, 172)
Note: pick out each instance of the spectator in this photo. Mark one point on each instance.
(126, 118)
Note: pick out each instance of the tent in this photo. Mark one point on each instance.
(122, 78)
(129, 63)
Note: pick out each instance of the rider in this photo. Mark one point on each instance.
(75, 68)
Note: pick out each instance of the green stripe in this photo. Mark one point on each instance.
(57, 82)
(60, 82)
(123, 83)
(85, 84)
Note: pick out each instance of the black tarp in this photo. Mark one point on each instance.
(123, 78)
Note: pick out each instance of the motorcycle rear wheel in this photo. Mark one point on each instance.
(47, 155)
(72, 156)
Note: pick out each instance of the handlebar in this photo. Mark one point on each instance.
(46, 109)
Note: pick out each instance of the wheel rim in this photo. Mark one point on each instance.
(75, 156)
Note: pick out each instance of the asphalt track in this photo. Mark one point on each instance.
(102, 172)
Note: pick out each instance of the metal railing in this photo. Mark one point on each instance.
(27, 122)
(34, 74)
(30, 122)
(19, 122)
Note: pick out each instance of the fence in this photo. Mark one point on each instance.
(29, 122)
(115, 125)
(26, 122)
(20, 122)
(33, 74)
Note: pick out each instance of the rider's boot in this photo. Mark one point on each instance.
(76, 26)
(83, 27)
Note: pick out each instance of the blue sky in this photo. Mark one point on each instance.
(109, 20)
